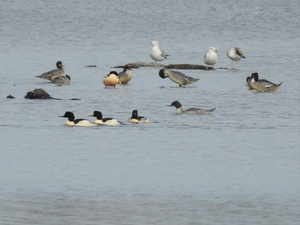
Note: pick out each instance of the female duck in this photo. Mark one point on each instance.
(61, 80)
(193, 111)
(125, 76)
(105, 121)
(177, 77)
(137, 119)
(263, 85)
(54, 73)
(111, 79)
(76, 122)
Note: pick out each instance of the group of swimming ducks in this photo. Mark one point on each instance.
(59, 77)
(135, 118)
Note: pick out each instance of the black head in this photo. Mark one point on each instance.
(69, 115)
(113, 72)
(59, 65)
(134, 113)
(248, 79)
(176, 104)
(97, 114)
(254, 76)
(162, 74)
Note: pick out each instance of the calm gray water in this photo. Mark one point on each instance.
(238, 166)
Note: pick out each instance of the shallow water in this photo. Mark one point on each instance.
(238, 166)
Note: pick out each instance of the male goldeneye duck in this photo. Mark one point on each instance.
(111, 79)
(137, 119)
(194, 111)
(177, 77)
(211, 57)
(76, 122)
(235, 54)
(54, 73)
(105, 121)
(263, 85)
(126, 75)
(156, 53)
(61, 80)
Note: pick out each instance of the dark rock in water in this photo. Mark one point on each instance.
(75, 99)
(91, 66)
(38, 94)
(10, 96)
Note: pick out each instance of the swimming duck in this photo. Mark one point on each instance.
(54, 73)
(211, 57)
(76, 122)
(177, 77)
(61, 80)
(263, 85)
(248, 81)
(126, 75)
(194, 111)
(137, 119)
(111, 79)
(156, 53)
(105, 121)
(235, 54)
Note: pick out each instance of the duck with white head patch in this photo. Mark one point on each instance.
(191, 111)
(105, 121)
(76, 122)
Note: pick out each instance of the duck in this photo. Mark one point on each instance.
(54, 73)
(61, 80)
(76, 122)
(235, 54)
(263, 85)
(248, 81)
(126, 75)
(137, 119)
(156, 53)
(191, 111)
(104, 121)
(177, 77)
(211, 57)
(111, 79)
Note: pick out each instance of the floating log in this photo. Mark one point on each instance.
(170, 66)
